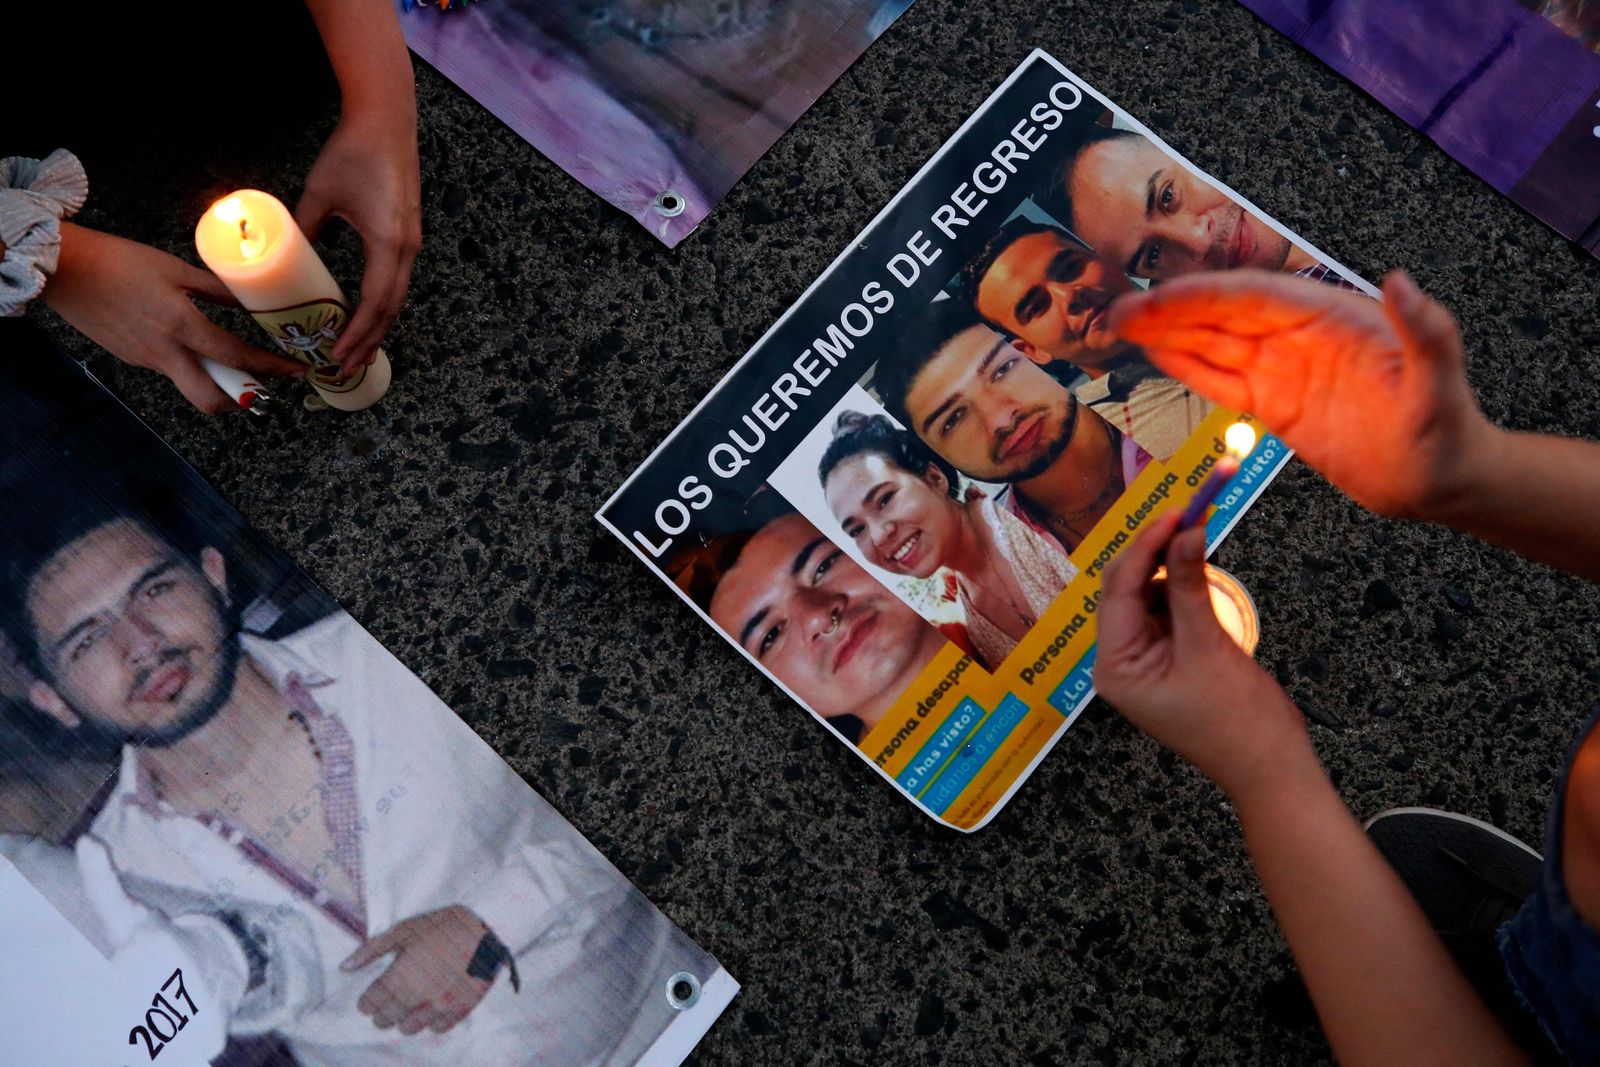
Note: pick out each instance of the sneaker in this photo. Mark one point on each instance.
(1469, 877)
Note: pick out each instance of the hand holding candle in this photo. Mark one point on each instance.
(252, 244)
(139, 304)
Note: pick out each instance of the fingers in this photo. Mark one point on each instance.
(1218, 348)
(1425, 324)
(208, 339)
(205, 285)
(419, 1018)
(374, 948)
(383, 287)
(382, 1005)
(1245, 303)
(446, 1018)
(313, 210)
(1188, 594)
(1130, 571)
(1227, 387)
(1123, 603)
(197, 387)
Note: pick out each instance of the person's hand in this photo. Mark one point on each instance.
(1374, 395)
(427, 984)
(368, 175)
(1168, 666)
(134, 301)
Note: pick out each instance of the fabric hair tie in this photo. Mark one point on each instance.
(35, 195)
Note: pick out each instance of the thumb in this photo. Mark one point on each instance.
(313, 211)
(390, 940)
(1188, 595)
(1426, 326)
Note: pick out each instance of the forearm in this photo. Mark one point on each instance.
(1537, 495)
(1383, 984)
(369, 56)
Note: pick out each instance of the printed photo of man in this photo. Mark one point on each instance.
(1151, 216)
(999, 418)
(453, 917)
(806, 611)
(1051, 295)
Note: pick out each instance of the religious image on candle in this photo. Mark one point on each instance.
(250, 241)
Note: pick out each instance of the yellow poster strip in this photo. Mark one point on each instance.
(1066, 632)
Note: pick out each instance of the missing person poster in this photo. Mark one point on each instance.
(234, 830)
(659, 106)
(899, 504)
(1510, 88)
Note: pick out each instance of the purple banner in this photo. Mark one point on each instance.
(659, 106)
(1511, 90)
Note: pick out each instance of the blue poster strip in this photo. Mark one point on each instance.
(964, 767)
(1078, 684)
(948, 738)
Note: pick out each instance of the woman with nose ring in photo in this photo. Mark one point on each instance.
(903, 506)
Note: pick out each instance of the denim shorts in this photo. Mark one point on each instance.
(1552, 956)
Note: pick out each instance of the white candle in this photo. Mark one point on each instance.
(251, 242)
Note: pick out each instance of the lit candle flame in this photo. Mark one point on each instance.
(1240, 439)
(231, 210)
(251, 244)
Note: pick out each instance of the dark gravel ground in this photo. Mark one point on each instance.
(1109, 914)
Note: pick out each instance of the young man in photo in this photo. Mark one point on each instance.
(1154, 218)
(999, 418)
(316, 778)
(1051, 295)
(809, 613)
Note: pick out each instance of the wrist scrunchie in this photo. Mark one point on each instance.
(35, 195)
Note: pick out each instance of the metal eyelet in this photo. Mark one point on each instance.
(670, 203)
(683, 991)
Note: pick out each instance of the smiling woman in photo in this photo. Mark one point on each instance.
(903, 506)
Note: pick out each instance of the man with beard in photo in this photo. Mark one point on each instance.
(315, 779)
(982, 405)
(1051, 295)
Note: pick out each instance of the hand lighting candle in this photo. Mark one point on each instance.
(1239, 439)
(251, 242)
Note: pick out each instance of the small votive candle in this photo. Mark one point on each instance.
(1234, 608)
(250, 241)
(1232, 605)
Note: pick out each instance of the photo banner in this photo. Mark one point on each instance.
(1510, 89)
(659, 106)
(236, 831)
(899, 504)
